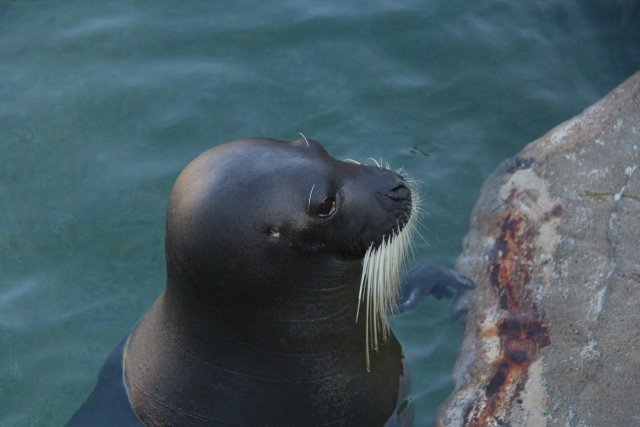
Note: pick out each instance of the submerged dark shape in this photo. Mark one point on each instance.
(428, 278)
(256, 325)
(108, 405)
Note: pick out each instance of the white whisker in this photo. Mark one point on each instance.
(310, 194)
(375, 161)
(305, 138)
(382, 270)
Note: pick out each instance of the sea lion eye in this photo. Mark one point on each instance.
(327, 207)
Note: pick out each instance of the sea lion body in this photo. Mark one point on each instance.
(109, 405)
(256, 325)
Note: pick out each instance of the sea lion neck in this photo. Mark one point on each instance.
(326, 304)
(194, 376)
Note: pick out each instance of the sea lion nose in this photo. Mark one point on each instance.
(399, 192)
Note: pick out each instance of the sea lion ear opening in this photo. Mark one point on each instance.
(274, 233)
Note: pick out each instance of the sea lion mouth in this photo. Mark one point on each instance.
(383, 265)
(401, 222)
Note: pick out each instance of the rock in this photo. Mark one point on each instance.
(554, 248)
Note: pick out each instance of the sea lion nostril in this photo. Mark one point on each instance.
(401, 192)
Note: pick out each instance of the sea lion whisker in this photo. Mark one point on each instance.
(352, 161)
(305, 138)
(365, 266)
(374, 161)
(382, 274)
(310, 194)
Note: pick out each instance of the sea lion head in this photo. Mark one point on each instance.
(264, 214)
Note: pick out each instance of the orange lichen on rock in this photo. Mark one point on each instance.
(522, 328)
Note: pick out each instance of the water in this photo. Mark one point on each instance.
(103, 103)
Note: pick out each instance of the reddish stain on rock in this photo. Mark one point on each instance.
(522, 328)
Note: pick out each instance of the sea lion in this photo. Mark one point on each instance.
(256, 325)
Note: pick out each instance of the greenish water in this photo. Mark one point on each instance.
(102, 103)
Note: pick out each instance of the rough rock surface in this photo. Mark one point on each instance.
(554, 247)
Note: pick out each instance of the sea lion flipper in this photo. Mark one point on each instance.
(429, 278)
(108, 405)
